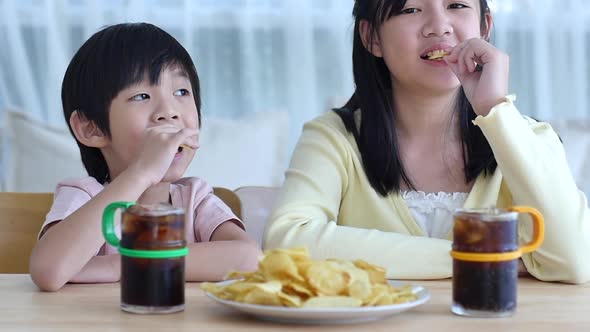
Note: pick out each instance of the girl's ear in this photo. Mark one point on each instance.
(489, 23)
(87, 132)
(371, 44)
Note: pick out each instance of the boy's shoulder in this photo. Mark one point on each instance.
(192, 182)
(86, 184)
(190, 189)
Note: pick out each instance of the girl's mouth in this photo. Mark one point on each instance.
(435, 55)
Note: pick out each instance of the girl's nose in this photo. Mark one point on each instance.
(437, 24)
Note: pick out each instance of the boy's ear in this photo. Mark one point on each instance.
(372, 45)
(87, 132)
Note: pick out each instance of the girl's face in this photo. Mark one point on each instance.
(424, 26)
(144, 105)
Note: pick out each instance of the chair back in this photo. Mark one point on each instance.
(21, 217)
(230, 199)
(257, 205)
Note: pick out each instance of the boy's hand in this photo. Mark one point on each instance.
(160, 145)
(488, 87)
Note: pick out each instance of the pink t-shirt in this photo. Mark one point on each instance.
(204, 211)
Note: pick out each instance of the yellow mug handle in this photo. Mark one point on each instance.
(538, 228)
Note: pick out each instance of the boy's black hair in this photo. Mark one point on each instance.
(376, 138)
(111, 60)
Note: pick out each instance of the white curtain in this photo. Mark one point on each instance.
(548, 42)
(291, 55)
(251, 55)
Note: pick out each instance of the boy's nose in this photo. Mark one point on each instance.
(166, 114)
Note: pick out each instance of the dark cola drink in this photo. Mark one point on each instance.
(152, 285)
(485, 289)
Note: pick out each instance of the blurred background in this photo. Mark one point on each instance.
(266, 67)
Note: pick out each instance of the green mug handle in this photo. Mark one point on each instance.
(108, 222)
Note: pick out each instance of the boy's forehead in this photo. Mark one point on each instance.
(175, 71)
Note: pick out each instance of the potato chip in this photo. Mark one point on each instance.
(260, 296)
(437, 54)
(325, 278)
(376, 273)
(279, 266)
(301, 289)
(290, 300)
(290, 278)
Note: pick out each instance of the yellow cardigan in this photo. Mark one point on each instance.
(328, 205)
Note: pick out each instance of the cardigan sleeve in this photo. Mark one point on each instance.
(532, 160)
(308, 207)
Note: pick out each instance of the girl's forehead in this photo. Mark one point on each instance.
(409, 2)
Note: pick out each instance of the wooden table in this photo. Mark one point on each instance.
(86, 308)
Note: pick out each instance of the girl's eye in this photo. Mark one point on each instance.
(410, 11)
(140, 97)
(181, 92)
(458, 6)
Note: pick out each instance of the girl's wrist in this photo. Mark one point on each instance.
(487, 109)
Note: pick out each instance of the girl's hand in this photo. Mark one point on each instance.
(160, 145)
(488, 87)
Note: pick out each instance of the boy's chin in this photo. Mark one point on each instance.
(174, 174)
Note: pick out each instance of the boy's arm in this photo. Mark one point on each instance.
(230, 249)
(104, 268)
(67, 250)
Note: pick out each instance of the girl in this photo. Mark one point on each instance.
(131, 99)
(429, 128)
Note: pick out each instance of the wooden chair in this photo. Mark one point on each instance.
(21, 217)
(230, 199)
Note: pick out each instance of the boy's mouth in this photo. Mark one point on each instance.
(182, 147)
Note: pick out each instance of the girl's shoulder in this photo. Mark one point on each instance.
(330, 130)
(335, 123)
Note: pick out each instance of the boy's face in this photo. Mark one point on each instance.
(143, 106)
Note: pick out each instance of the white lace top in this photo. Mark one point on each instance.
(434, 211)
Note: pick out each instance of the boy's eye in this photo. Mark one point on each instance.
(181, 92)
(140, 97)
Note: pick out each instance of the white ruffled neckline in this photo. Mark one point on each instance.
(426, 202)
(433, 212)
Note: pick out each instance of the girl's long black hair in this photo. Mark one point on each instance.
(376, 138)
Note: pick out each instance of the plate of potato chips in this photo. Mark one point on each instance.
(291, 287)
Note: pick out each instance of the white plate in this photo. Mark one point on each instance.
(324, 315)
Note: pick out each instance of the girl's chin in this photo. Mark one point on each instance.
(443, 85)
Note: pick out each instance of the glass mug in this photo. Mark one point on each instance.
(152, 248)
(486, 258)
